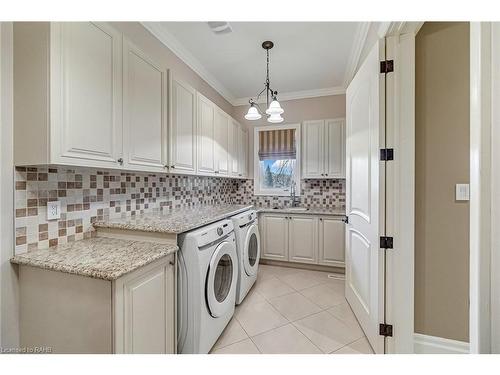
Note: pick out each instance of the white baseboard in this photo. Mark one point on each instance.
(424, 344)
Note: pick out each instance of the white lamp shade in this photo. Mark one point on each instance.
(275, 118)
(274, 108)
(253, 114)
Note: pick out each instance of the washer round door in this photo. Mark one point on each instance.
(251, 250)
(221, 279)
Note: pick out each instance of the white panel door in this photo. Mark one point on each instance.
(313, 156)
(335, 148)
(303, 239)
(206, 134)
(86, 92)
(233, 147)
(221, 142)
(183, 133)
(364, 196)
(144, 110)
(331, 241)
(274, 229)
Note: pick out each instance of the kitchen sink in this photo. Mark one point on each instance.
(298, 209)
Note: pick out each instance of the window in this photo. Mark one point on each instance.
(277, 156)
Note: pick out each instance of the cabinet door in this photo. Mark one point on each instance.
(145, 309)
(243, 152)
(144, 110)
(335, 149)
(313, 159)
(86, 92)
(303, 239)
(221, 142)
(183, 135)
(332, 241)
(275, 237)
(206, 149)
(233, 148)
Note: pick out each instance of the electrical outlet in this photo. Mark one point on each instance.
(53, 210)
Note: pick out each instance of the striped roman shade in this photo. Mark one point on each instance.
(277, 144)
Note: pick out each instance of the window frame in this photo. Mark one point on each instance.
(256, 162)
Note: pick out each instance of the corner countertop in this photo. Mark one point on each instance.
(309, 211)
(175, 221)
(100, 258)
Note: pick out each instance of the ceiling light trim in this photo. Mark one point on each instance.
(294, 95)
(171, 42)
(357, 48)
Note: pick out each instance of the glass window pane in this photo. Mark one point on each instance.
(223, 278)
(276, 174)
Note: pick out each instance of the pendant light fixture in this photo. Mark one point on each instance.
(274, 109)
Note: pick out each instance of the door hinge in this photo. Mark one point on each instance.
(386, 66)
(386, 154)
(385, 330)
(386, 242)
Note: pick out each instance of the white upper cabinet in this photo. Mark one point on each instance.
(85, 92)
(313, 165)
(233, 147)
(335, 148)
(323, 149)
(183, 145)
(144, 111)
(206, 130)
(221, 142)
(242, 152)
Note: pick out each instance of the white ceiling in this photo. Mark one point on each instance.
(308, 58)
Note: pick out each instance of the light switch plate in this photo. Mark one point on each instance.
(462, 192)
(53, 210)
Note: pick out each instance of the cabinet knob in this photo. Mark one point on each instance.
(166, 166)
(172, 263)
(322, 174)
(120, 161)
(172, 166)
(326, 174)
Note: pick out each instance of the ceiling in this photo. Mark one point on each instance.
(308, 58)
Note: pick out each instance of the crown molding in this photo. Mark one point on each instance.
(293, 95)
(357, 47)
(182, 53)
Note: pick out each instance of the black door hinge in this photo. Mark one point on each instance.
(386, 154)
(386, 66)
(345, 219)
(386, 242)
(385, 330)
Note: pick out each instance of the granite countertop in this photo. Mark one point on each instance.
(175, 221)
(309, 211)
(100, 258)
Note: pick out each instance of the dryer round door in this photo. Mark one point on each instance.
(221, 279)
(251, 250)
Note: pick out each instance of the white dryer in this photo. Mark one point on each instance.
(246, 229)
(206, 286)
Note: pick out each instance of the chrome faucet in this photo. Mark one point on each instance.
(293, 196)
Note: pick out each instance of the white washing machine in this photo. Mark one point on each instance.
(206, 286)
(246, 230)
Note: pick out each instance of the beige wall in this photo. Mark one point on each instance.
(442, 160)
(136, 33)
(296, 111)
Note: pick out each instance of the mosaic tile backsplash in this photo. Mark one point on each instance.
(87, 195)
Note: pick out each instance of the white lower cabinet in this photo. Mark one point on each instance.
(274, 229)
(133, 314)
(331, 241)
(303, 238)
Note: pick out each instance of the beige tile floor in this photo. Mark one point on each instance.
(293, 311)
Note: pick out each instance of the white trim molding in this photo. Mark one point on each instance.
(304, 94)
(357, 47)
(424, 344)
